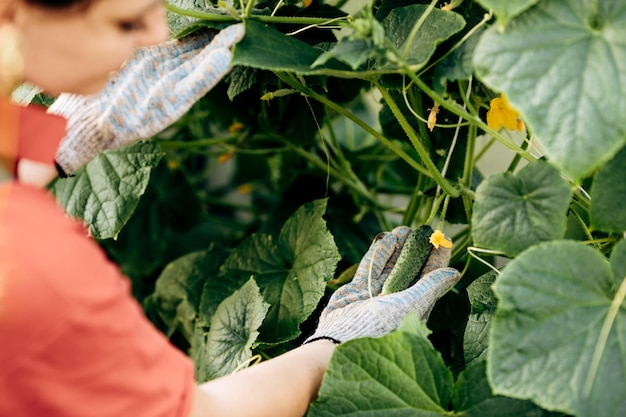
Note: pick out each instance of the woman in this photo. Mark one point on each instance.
(73, 342)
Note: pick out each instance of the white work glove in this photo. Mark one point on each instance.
(151, 91)
(358, 310)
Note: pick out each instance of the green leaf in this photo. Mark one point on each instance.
(292, 272)
(607, 195)
(558, 336)
(473, 397)
(458, 65)
(506, 10)
(513, 212)
(228, 344)
(562, 64)
(483, 302)
(412, 323)
(176, 298)
(265, 48)
(351, 52)
(400, 374)
(105, 193)
(437, 27)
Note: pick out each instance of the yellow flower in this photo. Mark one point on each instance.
(502, 114)
(439, 239)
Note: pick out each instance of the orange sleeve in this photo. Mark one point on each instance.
(28, 132)
(74, 340)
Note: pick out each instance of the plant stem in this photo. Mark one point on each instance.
(339, 109)
(615, 307)
(213, 17)
(417, 144)
(416, 27)
(414, 203)
(474, 119)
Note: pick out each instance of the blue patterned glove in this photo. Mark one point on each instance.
(358, 310)
(151, 91)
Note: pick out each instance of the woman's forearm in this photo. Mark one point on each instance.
(283, 386)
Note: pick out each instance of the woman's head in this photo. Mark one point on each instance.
(73, 45)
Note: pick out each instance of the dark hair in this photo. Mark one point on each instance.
(60, 4)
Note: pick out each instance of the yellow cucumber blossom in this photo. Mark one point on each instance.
(439, 239)
(501, 114)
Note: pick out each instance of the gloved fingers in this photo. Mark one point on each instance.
(401, 233)
(423, 295)
(169, 53)
(228, 37)
(141, 113)
(374, 261)
(438, 258)
(200, 75)
(82, 141)
(365, 283)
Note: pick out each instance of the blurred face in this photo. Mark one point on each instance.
(75, 51)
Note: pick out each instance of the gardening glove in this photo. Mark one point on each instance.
(359, 310)
(150, 92)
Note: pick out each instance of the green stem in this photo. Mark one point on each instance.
(474, 119)
(248, 11)
(339, 109)
(200, 143)
(416, 27)
(434, 209)
(456, 46)
(468, 171)
(468, 168)
(414, 203)
(517, 158)
(582, 224)
(615, 307)
(417, 144)
(356, 187)
(444, 210)
(213, 17)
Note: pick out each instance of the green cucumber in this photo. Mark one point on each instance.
(410, 261)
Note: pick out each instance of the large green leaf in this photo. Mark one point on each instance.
(106, 191)
(228, 344)
(400, 374)
(483, 302)
(291, 272)
(438, 26)
(177, 293)
(397, 25)
(507, 9)
(559, 333)
(563, 65)
(473, 397)
(607, 195)
(265, 48)
(513, 212)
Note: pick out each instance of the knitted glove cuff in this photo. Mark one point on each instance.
(83, 140)
(368, 319)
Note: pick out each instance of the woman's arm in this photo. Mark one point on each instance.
(283, 386)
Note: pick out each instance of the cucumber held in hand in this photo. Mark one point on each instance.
(411, 260)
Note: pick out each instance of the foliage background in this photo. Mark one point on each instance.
(236, 223)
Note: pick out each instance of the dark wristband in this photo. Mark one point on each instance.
(335, 341)
(60, 171)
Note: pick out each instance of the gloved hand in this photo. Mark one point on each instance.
(151, 91)
(358, 310)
